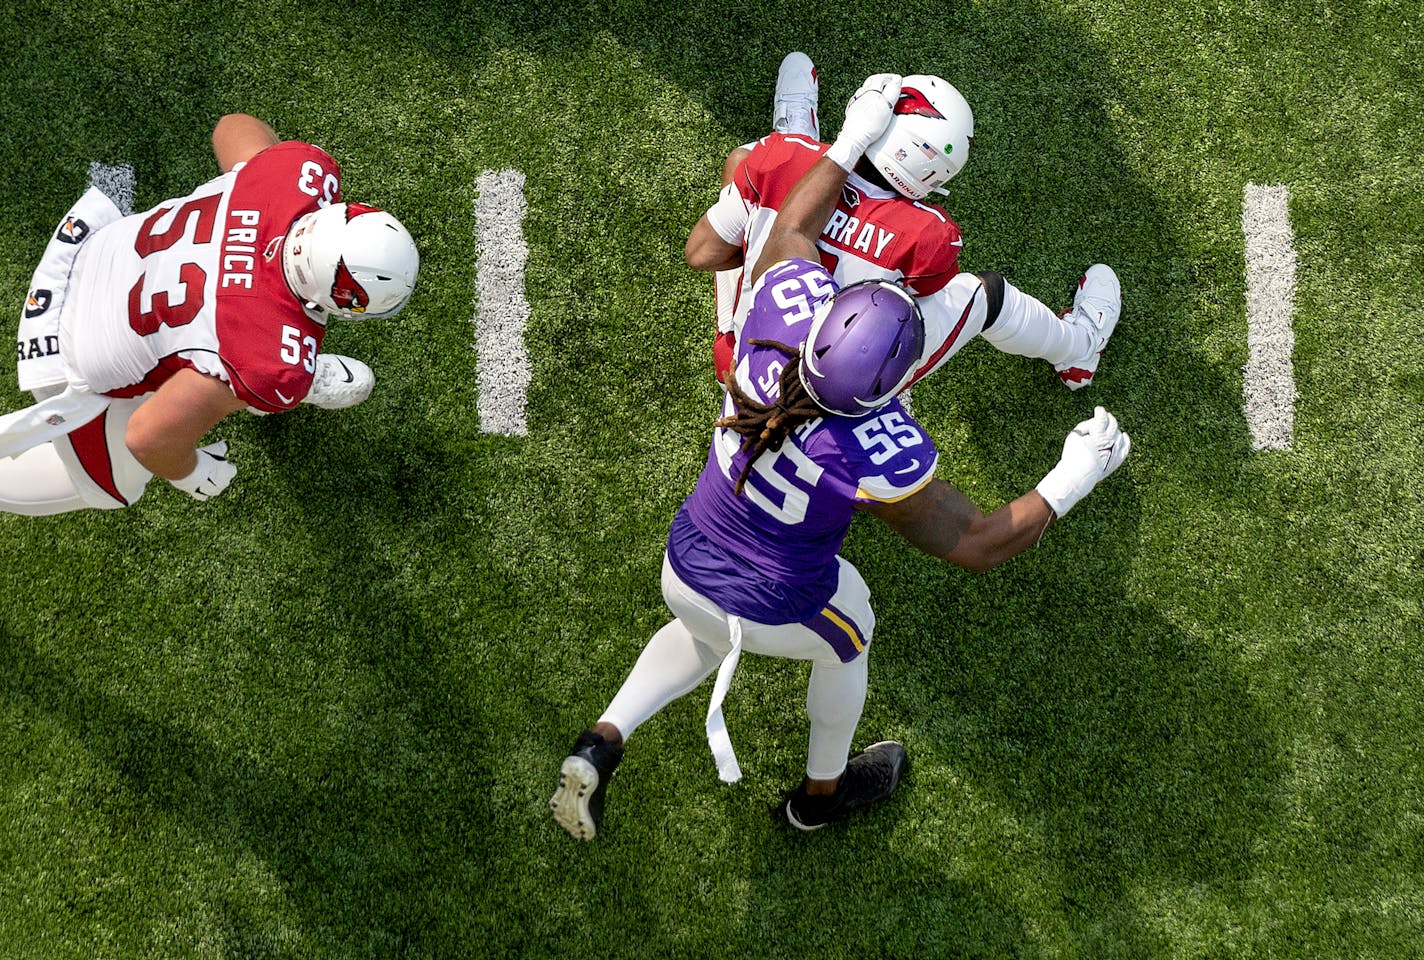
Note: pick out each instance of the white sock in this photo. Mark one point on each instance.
(1027, 328)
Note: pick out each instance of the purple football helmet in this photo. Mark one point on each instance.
(864, 345)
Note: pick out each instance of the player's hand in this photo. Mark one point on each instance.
(212, 474)
(1094, 449)
(867, 116)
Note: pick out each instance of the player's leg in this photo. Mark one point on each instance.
(1073, 341)
(838, 784)
(689, 649)
(835, 698)
(795, 105)
(100, 465)
(37, 484)
(90, 468)
(673, 663)
(727, 283)
(1024, 326)
(794, 109)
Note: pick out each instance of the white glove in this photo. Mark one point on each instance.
(867, 116)
(1094, 449)
(212, 475)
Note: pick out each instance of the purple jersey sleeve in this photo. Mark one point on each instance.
(880, 458)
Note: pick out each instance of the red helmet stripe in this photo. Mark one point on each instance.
(912, 101)
(354, 210)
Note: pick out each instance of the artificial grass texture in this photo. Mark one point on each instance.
(321, 715)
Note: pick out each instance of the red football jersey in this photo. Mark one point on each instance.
(873, 234)
(197, 282)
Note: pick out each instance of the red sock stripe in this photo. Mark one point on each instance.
(948, 341)
(91, 446)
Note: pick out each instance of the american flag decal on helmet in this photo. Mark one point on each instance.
(912, 101)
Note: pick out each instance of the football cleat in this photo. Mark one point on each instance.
(339, 382)
(1096, 307)
(870, 776)
(793, 107)
(583, 779)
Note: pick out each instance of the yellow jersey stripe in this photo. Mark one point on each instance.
(861, 494)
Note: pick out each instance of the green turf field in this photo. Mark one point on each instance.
(321, 716)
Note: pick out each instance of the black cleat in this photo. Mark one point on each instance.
(578, 803)
(870, 776)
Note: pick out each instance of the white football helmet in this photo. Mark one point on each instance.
(927, 140)
(351, 260)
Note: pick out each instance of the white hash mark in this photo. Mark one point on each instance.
(1269, 381)
(502, 362)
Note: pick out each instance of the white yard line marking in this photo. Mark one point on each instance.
(1270, 302)
(502, 362)
(117, 183)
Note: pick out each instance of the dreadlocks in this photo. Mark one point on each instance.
(766, 426)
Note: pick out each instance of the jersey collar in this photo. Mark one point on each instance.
(868, 189)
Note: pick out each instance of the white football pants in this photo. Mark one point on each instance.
(1027, 328)
(90, 468)
(1024, 327)
(689, 649)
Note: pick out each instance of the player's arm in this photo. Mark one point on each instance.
(943, 522)
(707, 248)
(800, 220)
(813, 199)
(238, 138)
(164, 431)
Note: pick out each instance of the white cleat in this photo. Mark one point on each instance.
(339, 382)
(798, 90)
(578, 781)
(1097, 306)
(583, 780)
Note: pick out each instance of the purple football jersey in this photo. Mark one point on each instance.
(770, 553)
